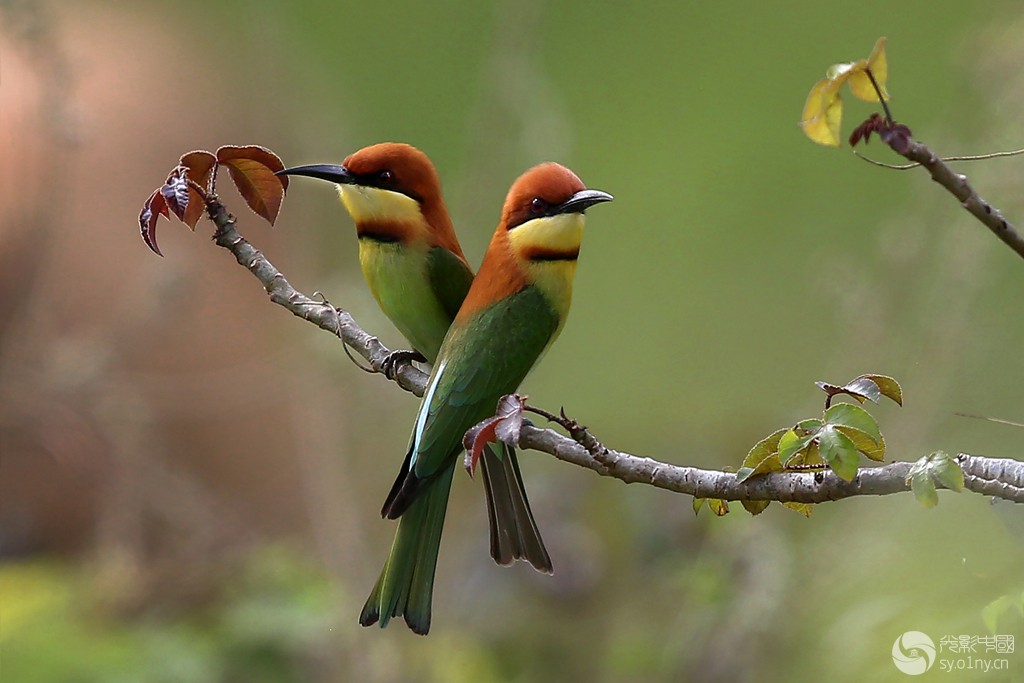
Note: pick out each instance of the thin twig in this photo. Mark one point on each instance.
(991, 419)
(968, 157)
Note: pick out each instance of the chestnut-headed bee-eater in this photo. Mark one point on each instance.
(417, 272)
(515, 309)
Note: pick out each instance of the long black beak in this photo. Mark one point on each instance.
(579, 202)
(328, 172)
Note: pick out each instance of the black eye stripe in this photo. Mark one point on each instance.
(385, 180)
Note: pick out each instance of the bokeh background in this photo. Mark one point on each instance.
(190, 477)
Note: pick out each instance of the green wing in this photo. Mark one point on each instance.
(479, 362)
(450, 279)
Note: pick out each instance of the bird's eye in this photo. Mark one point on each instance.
(538, 206)
(385, 177)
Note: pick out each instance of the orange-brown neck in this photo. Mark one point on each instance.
(500, 276)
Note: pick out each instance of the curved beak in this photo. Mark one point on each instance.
(328, 172)
(582, 200)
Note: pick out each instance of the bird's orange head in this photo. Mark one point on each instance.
(537, 240)
(392, 190)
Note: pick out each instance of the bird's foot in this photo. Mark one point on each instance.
(389, 366)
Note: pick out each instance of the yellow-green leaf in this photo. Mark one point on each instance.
(755, 507)
(792, 443)
(762, 458)
(924, 488)
(804, 509)
(763, 448)
(718, 506)
(889, 387)
(865, 443)
(823, 113)
(823, 110)
(860, 84)
(946, 470)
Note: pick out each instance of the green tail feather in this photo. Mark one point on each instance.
(406, 582)
(514, 533)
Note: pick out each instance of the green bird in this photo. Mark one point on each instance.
(412, 261)
(515, 309)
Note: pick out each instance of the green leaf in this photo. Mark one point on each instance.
(849, 415)
(763, 448)
(792, 443)
(946, 470)
(889, 387)
(923, 486)
(697, 503)
(769, 464)
(762, 458)
(839, 452)
(937, 466)
(865, 444)
(755, 507)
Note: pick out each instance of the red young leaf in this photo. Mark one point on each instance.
(175, 192)
(503, 426)
(510, 412)
(200, 165)
(476, 439)
(151, 211)
(252, 168)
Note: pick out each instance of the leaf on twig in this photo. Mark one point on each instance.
(755, 507)
(866, 387)
(154, 207)
(762, 458)
(839, 452)
(823, 110)
(937, 467)
(870, 447)
(186, 189)
(252, 169)
(889, 387)
(200, 165)
(804, 509)
(503, 426)
(175, 192)
(854, 418)
(719, 507)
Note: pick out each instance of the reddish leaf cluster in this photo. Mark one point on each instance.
(896, 135)
(193, 180)
(504, 426)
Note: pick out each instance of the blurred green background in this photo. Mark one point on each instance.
(191, 477)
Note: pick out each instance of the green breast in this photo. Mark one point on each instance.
(399, 278)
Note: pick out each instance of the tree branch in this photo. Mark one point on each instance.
(958, 186)
(1003, 478)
